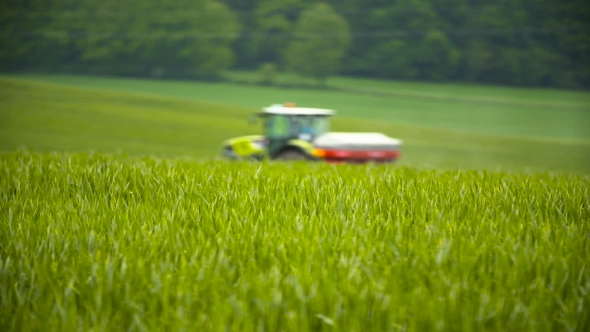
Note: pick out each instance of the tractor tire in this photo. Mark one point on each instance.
(292, 155)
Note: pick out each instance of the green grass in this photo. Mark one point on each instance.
(459, 92)
(48, 117)
(482, 225)
(490, 110)
(90, 242)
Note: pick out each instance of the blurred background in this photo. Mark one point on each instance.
(463, 83)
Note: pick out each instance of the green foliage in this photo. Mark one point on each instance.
(274, 21)
(525, 43)
(201, 44)
(520, 43)
(267, 73)
(321, 39)
(437, 58)
(112, 243)
(176, 38)
(394, 60)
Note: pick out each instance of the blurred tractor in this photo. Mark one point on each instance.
(296, 133)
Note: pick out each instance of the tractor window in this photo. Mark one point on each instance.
(277, 126)
(312, 125)
(305, 125)
(321, 125)
(280, 126)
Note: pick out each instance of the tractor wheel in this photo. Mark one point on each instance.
(292, 154)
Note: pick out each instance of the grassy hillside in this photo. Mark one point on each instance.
(101, 243)
(491, 110)
(47, 117)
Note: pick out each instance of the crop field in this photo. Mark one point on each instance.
(538, 113)
(115, 213)
(96, 242)
(191, 120)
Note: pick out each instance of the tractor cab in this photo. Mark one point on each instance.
(285, 123)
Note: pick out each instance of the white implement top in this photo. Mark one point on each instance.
(290, 109)
(357, 141)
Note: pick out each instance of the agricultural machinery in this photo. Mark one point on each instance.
(296, 133)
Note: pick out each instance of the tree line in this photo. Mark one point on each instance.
(509, 42)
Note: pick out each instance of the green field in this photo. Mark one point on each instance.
(491, 110)
(103, 243)
(116, 214)
(441, 126)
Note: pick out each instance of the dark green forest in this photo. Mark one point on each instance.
(541, 43)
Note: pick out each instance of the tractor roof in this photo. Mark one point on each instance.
(290, 109)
